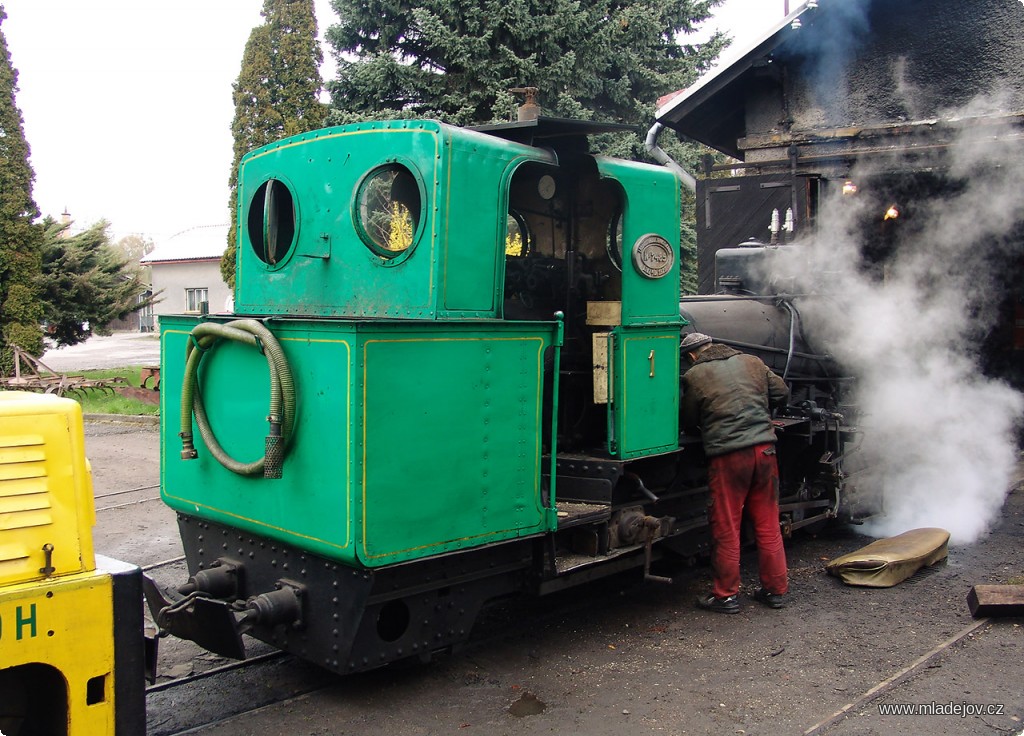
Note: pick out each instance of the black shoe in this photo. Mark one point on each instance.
(719, 605)
(772, 600)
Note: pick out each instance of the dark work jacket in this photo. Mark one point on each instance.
(728, 396)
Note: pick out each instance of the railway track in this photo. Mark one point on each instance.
(120, 494)
(224, 693)
(196, 689)
(216, 691)
(231, 690)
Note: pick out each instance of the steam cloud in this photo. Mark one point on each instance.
(828, 52)
(939, 437)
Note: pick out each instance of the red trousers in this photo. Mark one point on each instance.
(747, 478)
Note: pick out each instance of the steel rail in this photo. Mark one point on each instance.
(889, 683)
(163, 563)
(130, 490)
(212, 672)
(129, 503)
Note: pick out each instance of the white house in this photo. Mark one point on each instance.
(186, 272)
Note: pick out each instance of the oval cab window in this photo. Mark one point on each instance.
(614, 244)
(518, 242)
(389, 210)
(271, 222)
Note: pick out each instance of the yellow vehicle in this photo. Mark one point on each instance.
(71, 628)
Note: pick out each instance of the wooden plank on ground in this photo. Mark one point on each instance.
(996, 600)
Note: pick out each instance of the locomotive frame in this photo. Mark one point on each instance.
(480, 330)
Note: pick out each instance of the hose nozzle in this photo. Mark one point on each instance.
(188, 450)
(274, 450)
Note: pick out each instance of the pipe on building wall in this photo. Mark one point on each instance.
(651, 144)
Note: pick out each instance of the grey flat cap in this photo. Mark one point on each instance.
(693, 340)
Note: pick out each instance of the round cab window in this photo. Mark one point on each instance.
(271, 222)
(389, 209)
(518, 242)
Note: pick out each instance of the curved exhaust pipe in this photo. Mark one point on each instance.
(651, 144)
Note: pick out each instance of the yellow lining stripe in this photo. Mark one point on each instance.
(289, 532)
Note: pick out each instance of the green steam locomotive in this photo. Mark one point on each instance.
(451, 374)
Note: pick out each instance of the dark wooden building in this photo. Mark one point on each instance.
(876, 95)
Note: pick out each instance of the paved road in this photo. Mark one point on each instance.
(110, 351)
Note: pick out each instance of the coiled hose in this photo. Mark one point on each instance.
(282, 396)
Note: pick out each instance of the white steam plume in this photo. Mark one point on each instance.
(939, 436)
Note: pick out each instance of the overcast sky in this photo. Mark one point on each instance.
(127, 103)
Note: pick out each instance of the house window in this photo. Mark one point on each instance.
(197, 300)
(146, 323)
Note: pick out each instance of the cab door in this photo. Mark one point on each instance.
(644, 411)
(643, 415)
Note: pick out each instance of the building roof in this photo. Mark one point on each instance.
(200, 243)
(711, 111)
(852, 77)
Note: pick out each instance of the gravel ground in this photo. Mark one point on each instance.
(621, 656)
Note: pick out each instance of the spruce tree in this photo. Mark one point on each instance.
(20, 310)
(276, 94)
(605, 60)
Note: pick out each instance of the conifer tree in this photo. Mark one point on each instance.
(603, 59)
(20, 310)
(276, 94)
(86, 282)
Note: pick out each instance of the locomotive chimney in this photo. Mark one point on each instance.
(529, 110)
